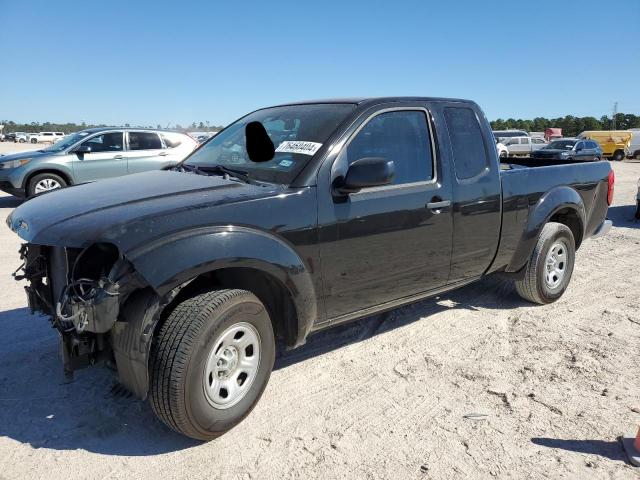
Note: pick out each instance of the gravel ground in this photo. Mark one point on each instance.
(473, 384)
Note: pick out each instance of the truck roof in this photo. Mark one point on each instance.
(374, 100)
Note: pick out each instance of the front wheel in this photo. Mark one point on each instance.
(210, 362)
(548, 272)
(43, 183)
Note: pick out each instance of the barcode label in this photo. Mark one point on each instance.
(306, 148)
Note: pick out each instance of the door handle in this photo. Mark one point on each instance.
(118, 157)
(163, 154)
(439, 205)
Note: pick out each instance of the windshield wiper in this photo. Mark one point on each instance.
(220, 170)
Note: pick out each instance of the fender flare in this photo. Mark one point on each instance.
(553, 201)
(170, 263)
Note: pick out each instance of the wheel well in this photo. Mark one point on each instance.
(65, 177)
(271, 292)
(570, 218)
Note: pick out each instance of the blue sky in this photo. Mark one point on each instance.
(146, 62)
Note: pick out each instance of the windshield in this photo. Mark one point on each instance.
(297, 133)
(561, 145)
(66, 142)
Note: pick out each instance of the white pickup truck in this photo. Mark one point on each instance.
(524, 145)
(45, 137)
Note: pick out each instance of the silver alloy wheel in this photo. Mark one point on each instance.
(556, 264)
(232, 365)
(45, 185)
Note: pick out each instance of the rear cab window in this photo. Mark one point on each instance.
(469, 154)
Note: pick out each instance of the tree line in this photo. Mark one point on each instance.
(570, 125)
(34, 127)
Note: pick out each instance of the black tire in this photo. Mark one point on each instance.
(636, 156)
(638, 210)
(33, 140)
(533, 285)
(618, 155)
(180, 353)
(22, 140)
(33, 181)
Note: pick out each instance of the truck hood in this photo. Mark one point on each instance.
(110, 210)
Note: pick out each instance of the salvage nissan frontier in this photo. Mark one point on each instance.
(293, 219)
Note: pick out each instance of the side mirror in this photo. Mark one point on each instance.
(367, 172)
(83, 149)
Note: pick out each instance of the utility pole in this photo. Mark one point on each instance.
(615, 112)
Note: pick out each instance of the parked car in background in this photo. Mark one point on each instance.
(10, 137)
(524, 145)
(570, 149)
(185, 279)
(502, 135)
(45, 137)
(503, 151)
(614, 143)
(90, 155)
(634, 145)
(20, 137)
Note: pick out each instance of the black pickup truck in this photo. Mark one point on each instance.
(293, 219)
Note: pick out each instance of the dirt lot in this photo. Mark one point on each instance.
(473, 384)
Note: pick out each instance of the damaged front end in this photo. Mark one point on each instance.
(82, 291)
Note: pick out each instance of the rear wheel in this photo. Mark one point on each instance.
(548, 272)
(618, 155)
(210, 362)
(43, 183)
(637, 155)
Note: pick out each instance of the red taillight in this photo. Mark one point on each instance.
(610, 180)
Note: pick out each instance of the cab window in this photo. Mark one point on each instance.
(469, 154)
(400, 136)
(107, 142)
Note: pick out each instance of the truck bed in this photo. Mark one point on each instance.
(526, 180)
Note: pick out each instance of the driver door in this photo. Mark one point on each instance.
(385, 243)
(105, 160)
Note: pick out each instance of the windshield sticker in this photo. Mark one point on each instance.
(285, 163)
(305, 148)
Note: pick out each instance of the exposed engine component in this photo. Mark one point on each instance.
(81, 290)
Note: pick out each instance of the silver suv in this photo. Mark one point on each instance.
(90, 155)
